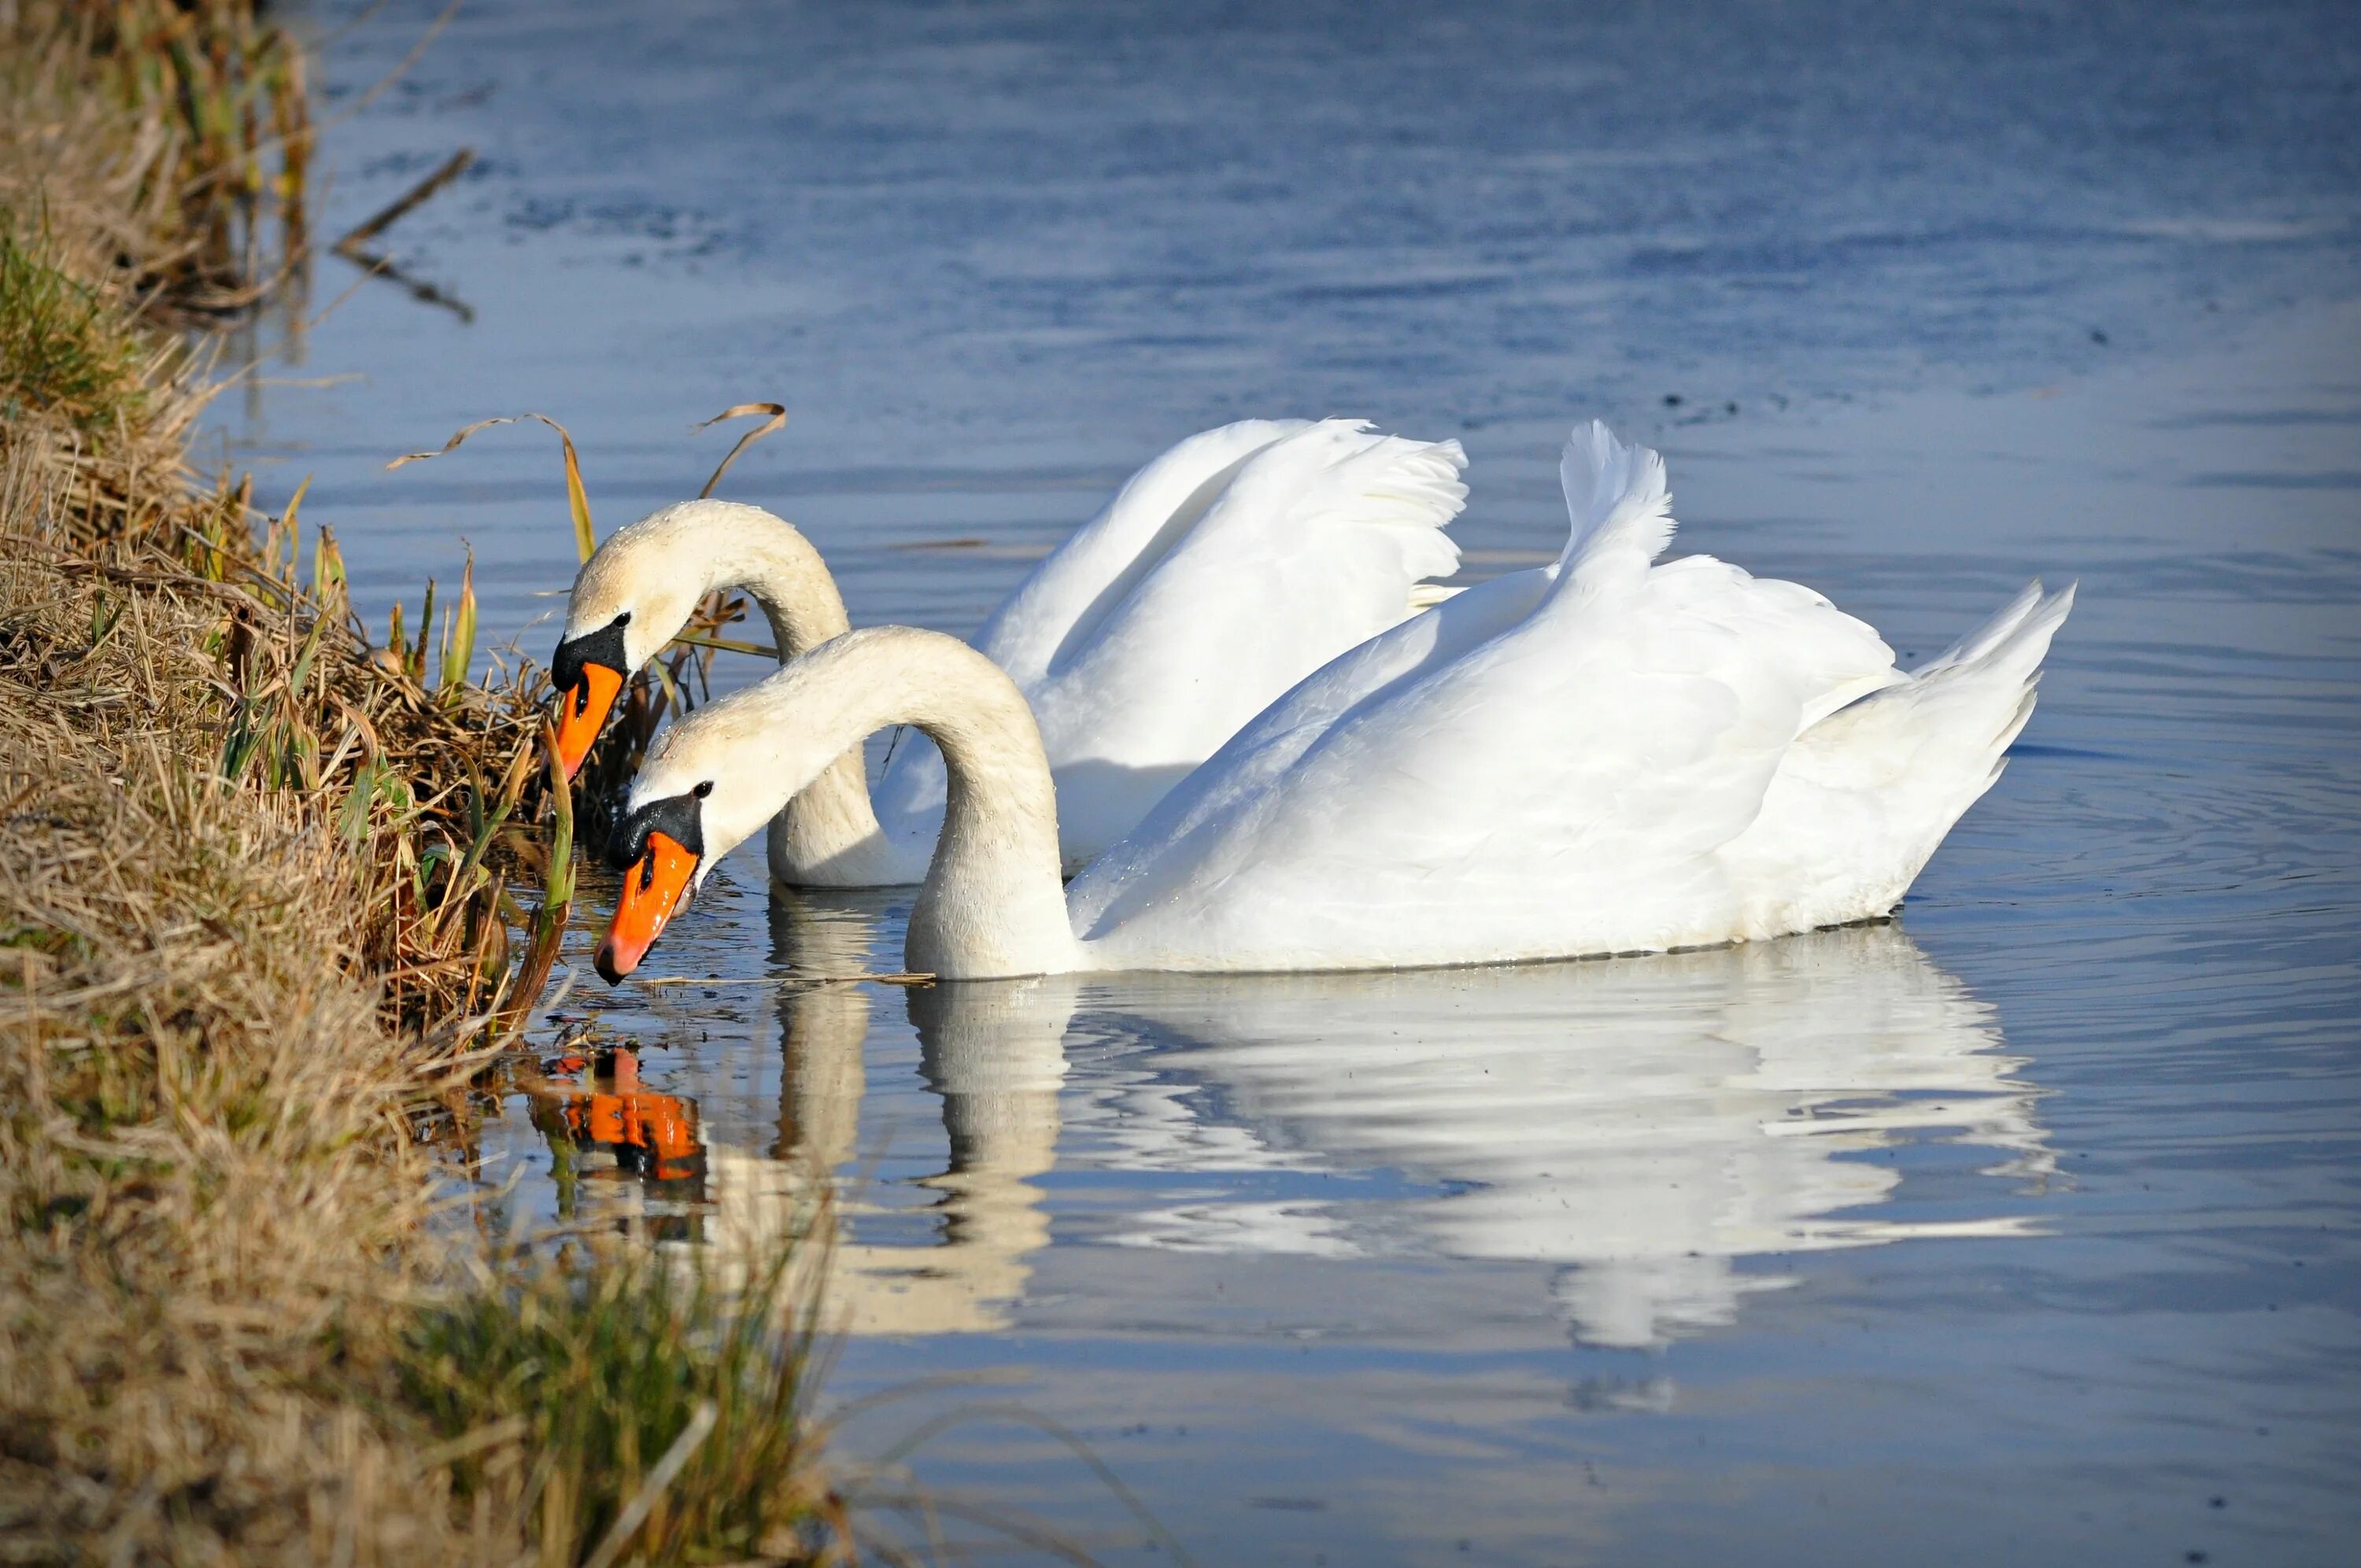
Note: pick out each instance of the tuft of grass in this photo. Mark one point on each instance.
(636, 1402)
(64, 354)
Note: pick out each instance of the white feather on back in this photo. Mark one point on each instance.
(1306, 548)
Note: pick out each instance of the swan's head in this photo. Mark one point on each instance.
(659, 845)
(711, 781)
(632, 597)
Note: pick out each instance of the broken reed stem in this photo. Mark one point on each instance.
(361, 234)
(577, 501)
(775, 421)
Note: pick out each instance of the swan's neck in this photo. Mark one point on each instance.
(776, 566)
(829, 831)
(993, 904)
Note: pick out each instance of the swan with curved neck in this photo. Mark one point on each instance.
(1602, 755)
(992, 902)
(1223, 572)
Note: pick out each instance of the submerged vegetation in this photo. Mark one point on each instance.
(268, 911)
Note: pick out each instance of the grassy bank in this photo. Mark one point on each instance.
(269, 903)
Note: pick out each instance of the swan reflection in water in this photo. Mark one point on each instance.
(993, 1054)
(1643, 1125)
(596, 1104)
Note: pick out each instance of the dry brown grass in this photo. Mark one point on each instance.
(180, 134)
(203, 1153)
(203, 1156)
(256, 913)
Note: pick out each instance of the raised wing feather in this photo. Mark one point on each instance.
(1067, 596)
(1308, 547)
(1619, 509)
(1310, 550)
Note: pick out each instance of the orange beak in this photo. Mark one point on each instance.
(582, 712)
(653, 890)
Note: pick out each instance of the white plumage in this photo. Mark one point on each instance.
(1600, 755)
(1158, 629)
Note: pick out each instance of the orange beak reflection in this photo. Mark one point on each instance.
(582, 712)
(654, 889)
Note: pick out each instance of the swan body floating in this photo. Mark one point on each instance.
(1222, 573)
(1600, 755)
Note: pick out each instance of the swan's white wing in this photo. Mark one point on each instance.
(1063, 600)
(1310, 549)
(1559, 787)
(1834, 658)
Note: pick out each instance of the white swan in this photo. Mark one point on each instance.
(1601, 755)
(1219, 576)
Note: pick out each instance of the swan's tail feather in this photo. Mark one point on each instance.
(1980, 693)
(1935, 742)
(1984, 638)
(1866, 795)
(1617, 502)
(2019, 719)
(2005, 660)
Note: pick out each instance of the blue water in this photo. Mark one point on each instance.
(2025, 1230)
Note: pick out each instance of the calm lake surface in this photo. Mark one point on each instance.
(2024, 1229)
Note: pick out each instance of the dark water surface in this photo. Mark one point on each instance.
(2026, 1229)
